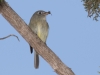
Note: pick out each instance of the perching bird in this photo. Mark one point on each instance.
(39, 26)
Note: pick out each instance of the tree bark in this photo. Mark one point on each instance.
(15, 20)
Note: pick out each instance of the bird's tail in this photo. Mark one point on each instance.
(36, 59)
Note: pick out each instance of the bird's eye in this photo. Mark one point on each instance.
(39, 12)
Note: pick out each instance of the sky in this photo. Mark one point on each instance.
(73, 37)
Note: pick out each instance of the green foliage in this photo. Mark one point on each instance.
(1, 1)
(99, 72)
(93, 8)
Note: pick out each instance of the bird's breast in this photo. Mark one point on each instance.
(42, 31)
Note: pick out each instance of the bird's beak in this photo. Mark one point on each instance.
(46, 13)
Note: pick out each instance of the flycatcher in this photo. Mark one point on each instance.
(39, 26)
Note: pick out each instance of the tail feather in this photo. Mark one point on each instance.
(31, 49)
(36, 59)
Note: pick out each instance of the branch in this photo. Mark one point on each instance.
(15, 20)
(9, 36)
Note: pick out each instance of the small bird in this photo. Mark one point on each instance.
(39, 26)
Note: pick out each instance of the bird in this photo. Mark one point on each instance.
(40, 27)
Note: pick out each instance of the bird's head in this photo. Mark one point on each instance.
(41, 14)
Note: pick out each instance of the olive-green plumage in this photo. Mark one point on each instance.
(39, 26)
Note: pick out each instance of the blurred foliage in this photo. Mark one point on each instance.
(1, 1)
(93, 8)
(99, 71)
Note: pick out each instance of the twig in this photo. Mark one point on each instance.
(9, 36)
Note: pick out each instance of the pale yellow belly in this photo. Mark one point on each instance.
(42, 33)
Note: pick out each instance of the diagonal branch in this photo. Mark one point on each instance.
(14, 19)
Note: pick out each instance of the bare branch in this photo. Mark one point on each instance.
(9, 36)
(14, 19)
